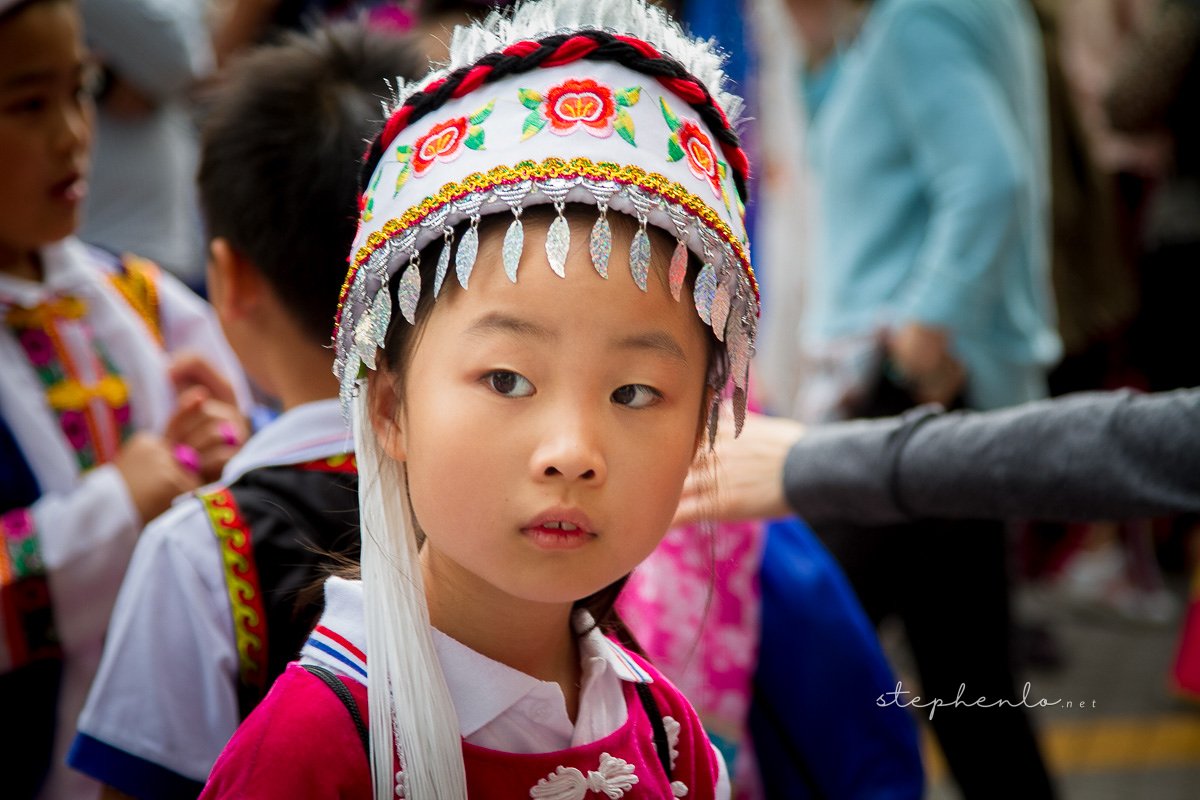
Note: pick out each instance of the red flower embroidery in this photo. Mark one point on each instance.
(74, 426)
(17, 524)
(701, 158)
(38, 346)
(443, 143)
(580, 102)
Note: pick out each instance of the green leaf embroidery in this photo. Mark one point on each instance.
(629, 97)
(624, 126)
(529, 98)
(401, 179)
(674, 151)
(474, 138)
(404, 156)
(533, 123)
(672, 121)
(479, 116)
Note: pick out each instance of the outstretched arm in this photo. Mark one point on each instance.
(1097, 455)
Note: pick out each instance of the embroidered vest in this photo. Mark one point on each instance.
(30, 690)
(279, 529)
(625, 765)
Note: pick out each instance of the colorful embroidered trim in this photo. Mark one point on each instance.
(137, 282)
(555, 51)
(24, 592)
(242, 584)
(95, 417)
(503, 175)
(344, 464)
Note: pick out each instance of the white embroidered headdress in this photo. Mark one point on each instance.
(602, 102)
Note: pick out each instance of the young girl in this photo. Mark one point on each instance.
(522, 442)
(95, 438)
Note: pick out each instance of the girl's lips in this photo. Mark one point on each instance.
(556, 518)
(556, 538)
(70, 190)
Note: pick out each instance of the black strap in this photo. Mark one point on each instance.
(343, 694)
(656, 721)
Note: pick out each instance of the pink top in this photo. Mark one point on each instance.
(301, 743)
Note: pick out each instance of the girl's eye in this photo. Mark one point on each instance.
(509, 384)
(636, 395)
(29, 105)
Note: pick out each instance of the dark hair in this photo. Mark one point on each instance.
(402, 339)
(281, 146)
(22, 5)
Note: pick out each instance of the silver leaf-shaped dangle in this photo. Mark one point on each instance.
(514, 239)
(558, 242)
(705, 291)
(600, 243)
(347, 384)
(514, 245)
(720, 309)
(408, 293)
(739, 410)
(381, 315)
(714, 415)
(678, 272)
(468, 249)
(639, 255)
(443, 264)
(364, 343)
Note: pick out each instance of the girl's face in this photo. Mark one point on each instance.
(548, 425)
(45, 126)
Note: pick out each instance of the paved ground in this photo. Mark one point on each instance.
(1138, 741)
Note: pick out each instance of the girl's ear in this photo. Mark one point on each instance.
(385, 415)
(235, 286)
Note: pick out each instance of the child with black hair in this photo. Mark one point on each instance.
(214, 604)
(550, 289)
(101, 422)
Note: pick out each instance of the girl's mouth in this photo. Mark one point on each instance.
(70, 190)
(552, 536)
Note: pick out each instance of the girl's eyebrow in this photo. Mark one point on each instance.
(20, 80)
(657, 341)
(505, 323)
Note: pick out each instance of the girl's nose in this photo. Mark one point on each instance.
(74, 124)
(572, 451)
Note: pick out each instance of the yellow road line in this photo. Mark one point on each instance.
(1104, 744)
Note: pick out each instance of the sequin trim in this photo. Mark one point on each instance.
(503, 175)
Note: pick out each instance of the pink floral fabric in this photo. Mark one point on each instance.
(694, 606)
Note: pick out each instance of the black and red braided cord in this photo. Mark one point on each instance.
(554, 51)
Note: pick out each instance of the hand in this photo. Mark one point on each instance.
(154, 477)
(214, 429)
(922, 354)
(747, 472)
(189, 369)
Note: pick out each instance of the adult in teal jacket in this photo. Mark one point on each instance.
(930, 282)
